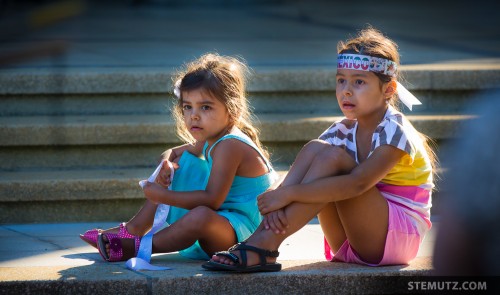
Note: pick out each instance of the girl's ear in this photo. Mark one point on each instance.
(391, 88)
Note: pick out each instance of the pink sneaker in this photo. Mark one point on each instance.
(90, 236)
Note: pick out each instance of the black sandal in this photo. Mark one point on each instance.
(241, 266)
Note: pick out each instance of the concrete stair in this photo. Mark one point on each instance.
(51, 259)
(73, 145)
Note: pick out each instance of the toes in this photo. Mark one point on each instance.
(226, 261)
(221, 260)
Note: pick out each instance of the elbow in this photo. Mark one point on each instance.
(213, 202)
(212, 198)
(214, 205)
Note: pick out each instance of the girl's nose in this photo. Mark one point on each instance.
(194, 115)
(347, 90)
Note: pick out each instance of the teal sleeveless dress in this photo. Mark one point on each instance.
(239, 208)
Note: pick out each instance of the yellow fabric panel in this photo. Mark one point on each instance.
(410, 172)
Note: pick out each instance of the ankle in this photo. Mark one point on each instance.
(266, 239)
(133, 229)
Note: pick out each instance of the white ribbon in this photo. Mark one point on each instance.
(407, 97)
(141, 262)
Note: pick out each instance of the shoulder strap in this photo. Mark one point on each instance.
(239, 135)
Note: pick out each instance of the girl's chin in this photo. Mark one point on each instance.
(349, 115)
(197, 136)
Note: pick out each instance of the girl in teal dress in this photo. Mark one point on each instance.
(219, 172)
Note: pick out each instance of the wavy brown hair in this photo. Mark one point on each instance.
(224, 78)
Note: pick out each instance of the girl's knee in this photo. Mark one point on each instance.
(314, 146)
(337, 156)
(200, 215)
(332, 153)
(334, 159)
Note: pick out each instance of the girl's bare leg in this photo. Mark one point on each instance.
(365, 220)
(362, 220)
(303, 162)
(142, 221)
(318, 161)
(202, 224)
(332, 227)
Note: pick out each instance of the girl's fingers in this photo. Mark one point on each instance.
(272, 225)
(261, 204)
(276, 224)
(161, 178)
(266, 223)
(282, 218)
(164, 175)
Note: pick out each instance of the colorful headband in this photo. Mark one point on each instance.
(377, 65)
(367, 63)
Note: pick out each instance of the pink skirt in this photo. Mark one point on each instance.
(401, 245)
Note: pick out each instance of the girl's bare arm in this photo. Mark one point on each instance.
(227, 156)
(176, 152)
(336, 188)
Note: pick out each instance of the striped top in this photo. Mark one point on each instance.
(410, 182)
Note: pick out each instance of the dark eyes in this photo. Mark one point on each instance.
(357, 82)
(189, 107)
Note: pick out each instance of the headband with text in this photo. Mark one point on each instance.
(366, 63)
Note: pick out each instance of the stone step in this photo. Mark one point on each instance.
(73, 195)
(441, 88)
(272, 79)
(51, 259)
(80, 195)
(160, 129)
(43, 142)
(434, 101)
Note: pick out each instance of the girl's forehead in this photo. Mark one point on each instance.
(198, 94)
(355, 73)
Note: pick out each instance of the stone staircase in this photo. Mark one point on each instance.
(73, 145)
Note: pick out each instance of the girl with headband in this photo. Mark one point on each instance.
(368, 177)
(210, 203)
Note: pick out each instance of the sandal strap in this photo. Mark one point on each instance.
(115, 245)
(243, 248)
(229, 255)
(123, 232)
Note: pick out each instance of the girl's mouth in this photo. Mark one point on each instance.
(196, 128)
(347, 105)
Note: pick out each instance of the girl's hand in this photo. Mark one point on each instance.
(153, 192)
(272, 200)
(164, 177)
(276, 221)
